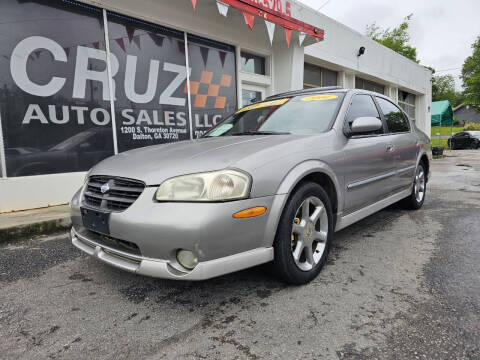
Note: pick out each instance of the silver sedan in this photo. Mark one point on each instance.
(269, 184)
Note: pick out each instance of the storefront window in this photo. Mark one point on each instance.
(55, 89)
(253, 63)
(150, 101)
(54, 95)
(369, 85)
(212, 82)
(407, 103)
(316, 76)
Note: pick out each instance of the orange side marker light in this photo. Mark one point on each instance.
(249, 213)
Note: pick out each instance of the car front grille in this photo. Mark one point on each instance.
(117, 196)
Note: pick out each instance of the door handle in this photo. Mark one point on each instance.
(390, 148)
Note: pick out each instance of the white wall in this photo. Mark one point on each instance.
(32, 192)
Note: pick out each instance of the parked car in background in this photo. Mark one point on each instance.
(271, 183)
(465, 140)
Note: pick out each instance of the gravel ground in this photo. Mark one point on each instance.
(398, 285)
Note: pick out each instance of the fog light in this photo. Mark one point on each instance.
(187, 259)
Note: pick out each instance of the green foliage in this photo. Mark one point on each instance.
(471, 126)
(396, 39)
(443, 88)
(471, 75)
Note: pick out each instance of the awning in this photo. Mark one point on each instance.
(273, 12)
(442, 113)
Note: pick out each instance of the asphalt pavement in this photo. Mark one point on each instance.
(399, 285)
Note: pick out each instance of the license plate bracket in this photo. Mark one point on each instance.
(95, 220)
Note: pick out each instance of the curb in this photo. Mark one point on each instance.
(26, 231)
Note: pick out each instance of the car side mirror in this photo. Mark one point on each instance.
(366, 124)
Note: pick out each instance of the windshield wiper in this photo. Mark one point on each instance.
(260, 133)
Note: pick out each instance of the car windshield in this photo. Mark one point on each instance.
(475, 134)
(307, 114)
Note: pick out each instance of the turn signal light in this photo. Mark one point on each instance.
(249, 213)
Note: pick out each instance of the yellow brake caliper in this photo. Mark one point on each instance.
(293, 239)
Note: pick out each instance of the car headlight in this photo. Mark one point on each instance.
(210, 186)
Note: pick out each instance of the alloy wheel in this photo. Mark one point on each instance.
(309, 233)
(419, 184)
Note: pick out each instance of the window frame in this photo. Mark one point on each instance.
(346, 129)
(405, 116)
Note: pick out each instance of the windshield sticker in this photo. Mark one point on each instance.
(220, 129)
(319, 97)
(264, 104)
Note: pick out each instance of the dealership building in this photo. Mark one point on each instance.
(81, 81)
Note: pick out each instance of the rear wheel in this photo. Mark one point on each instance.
(417, 197)
(474, 145)
(304, 235)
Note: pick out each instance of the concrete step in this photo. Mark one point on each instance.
(21, 225)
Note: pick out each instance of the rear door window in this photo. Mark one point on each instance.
(396, 120)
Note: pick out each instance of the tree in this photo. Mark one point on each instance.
(396, 39)
(471, 75)
(443, 88)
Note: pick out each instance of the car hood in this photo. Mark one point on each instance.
(154, 164)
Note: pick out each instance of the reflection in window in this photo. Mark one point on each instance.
(362, 106)
(396, 121)
(70, 130)
(253, 63)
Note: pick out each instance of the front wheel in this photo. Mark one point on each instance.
(304, 235)
(417, 197)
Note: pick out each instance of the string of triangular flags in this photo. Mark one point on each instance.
(250, 22)
(156, 38)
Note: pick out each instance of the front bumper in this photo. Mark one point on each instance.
(164, 268)
(221, 243)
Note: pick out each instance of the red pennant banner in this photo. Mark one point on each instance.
(121, 43)
(37, 53)
(288, 36)
(222, 55)
(204, 52)
(96, 45)
(136, 40)
(67, 51)
(249, 19)
(157, 39)
(194, 4)
(130, 32)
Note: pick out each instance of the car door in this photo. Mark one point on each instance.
(368, 165)
(403, 145)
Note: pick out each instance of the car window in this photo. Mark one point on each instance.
(396, 120)
(362, 105)
(304, 114)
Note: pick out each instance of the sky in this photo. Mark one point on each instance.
(441, 30)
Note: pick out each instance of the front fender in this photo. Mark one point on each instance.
(292, 179)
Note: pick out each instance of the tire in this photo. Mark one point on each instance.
(474, 146)
(296, 234)
(452, 145)
(415, 201)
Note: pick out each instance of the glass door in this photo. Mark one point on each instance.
(251, 94)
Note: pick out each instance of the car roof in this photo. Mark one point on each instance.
(319, 90)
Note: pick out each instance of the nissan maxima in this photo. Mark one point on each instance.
(271, 183)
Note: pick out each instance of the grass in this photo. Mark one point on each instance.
(445, 130)
(439, 142)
